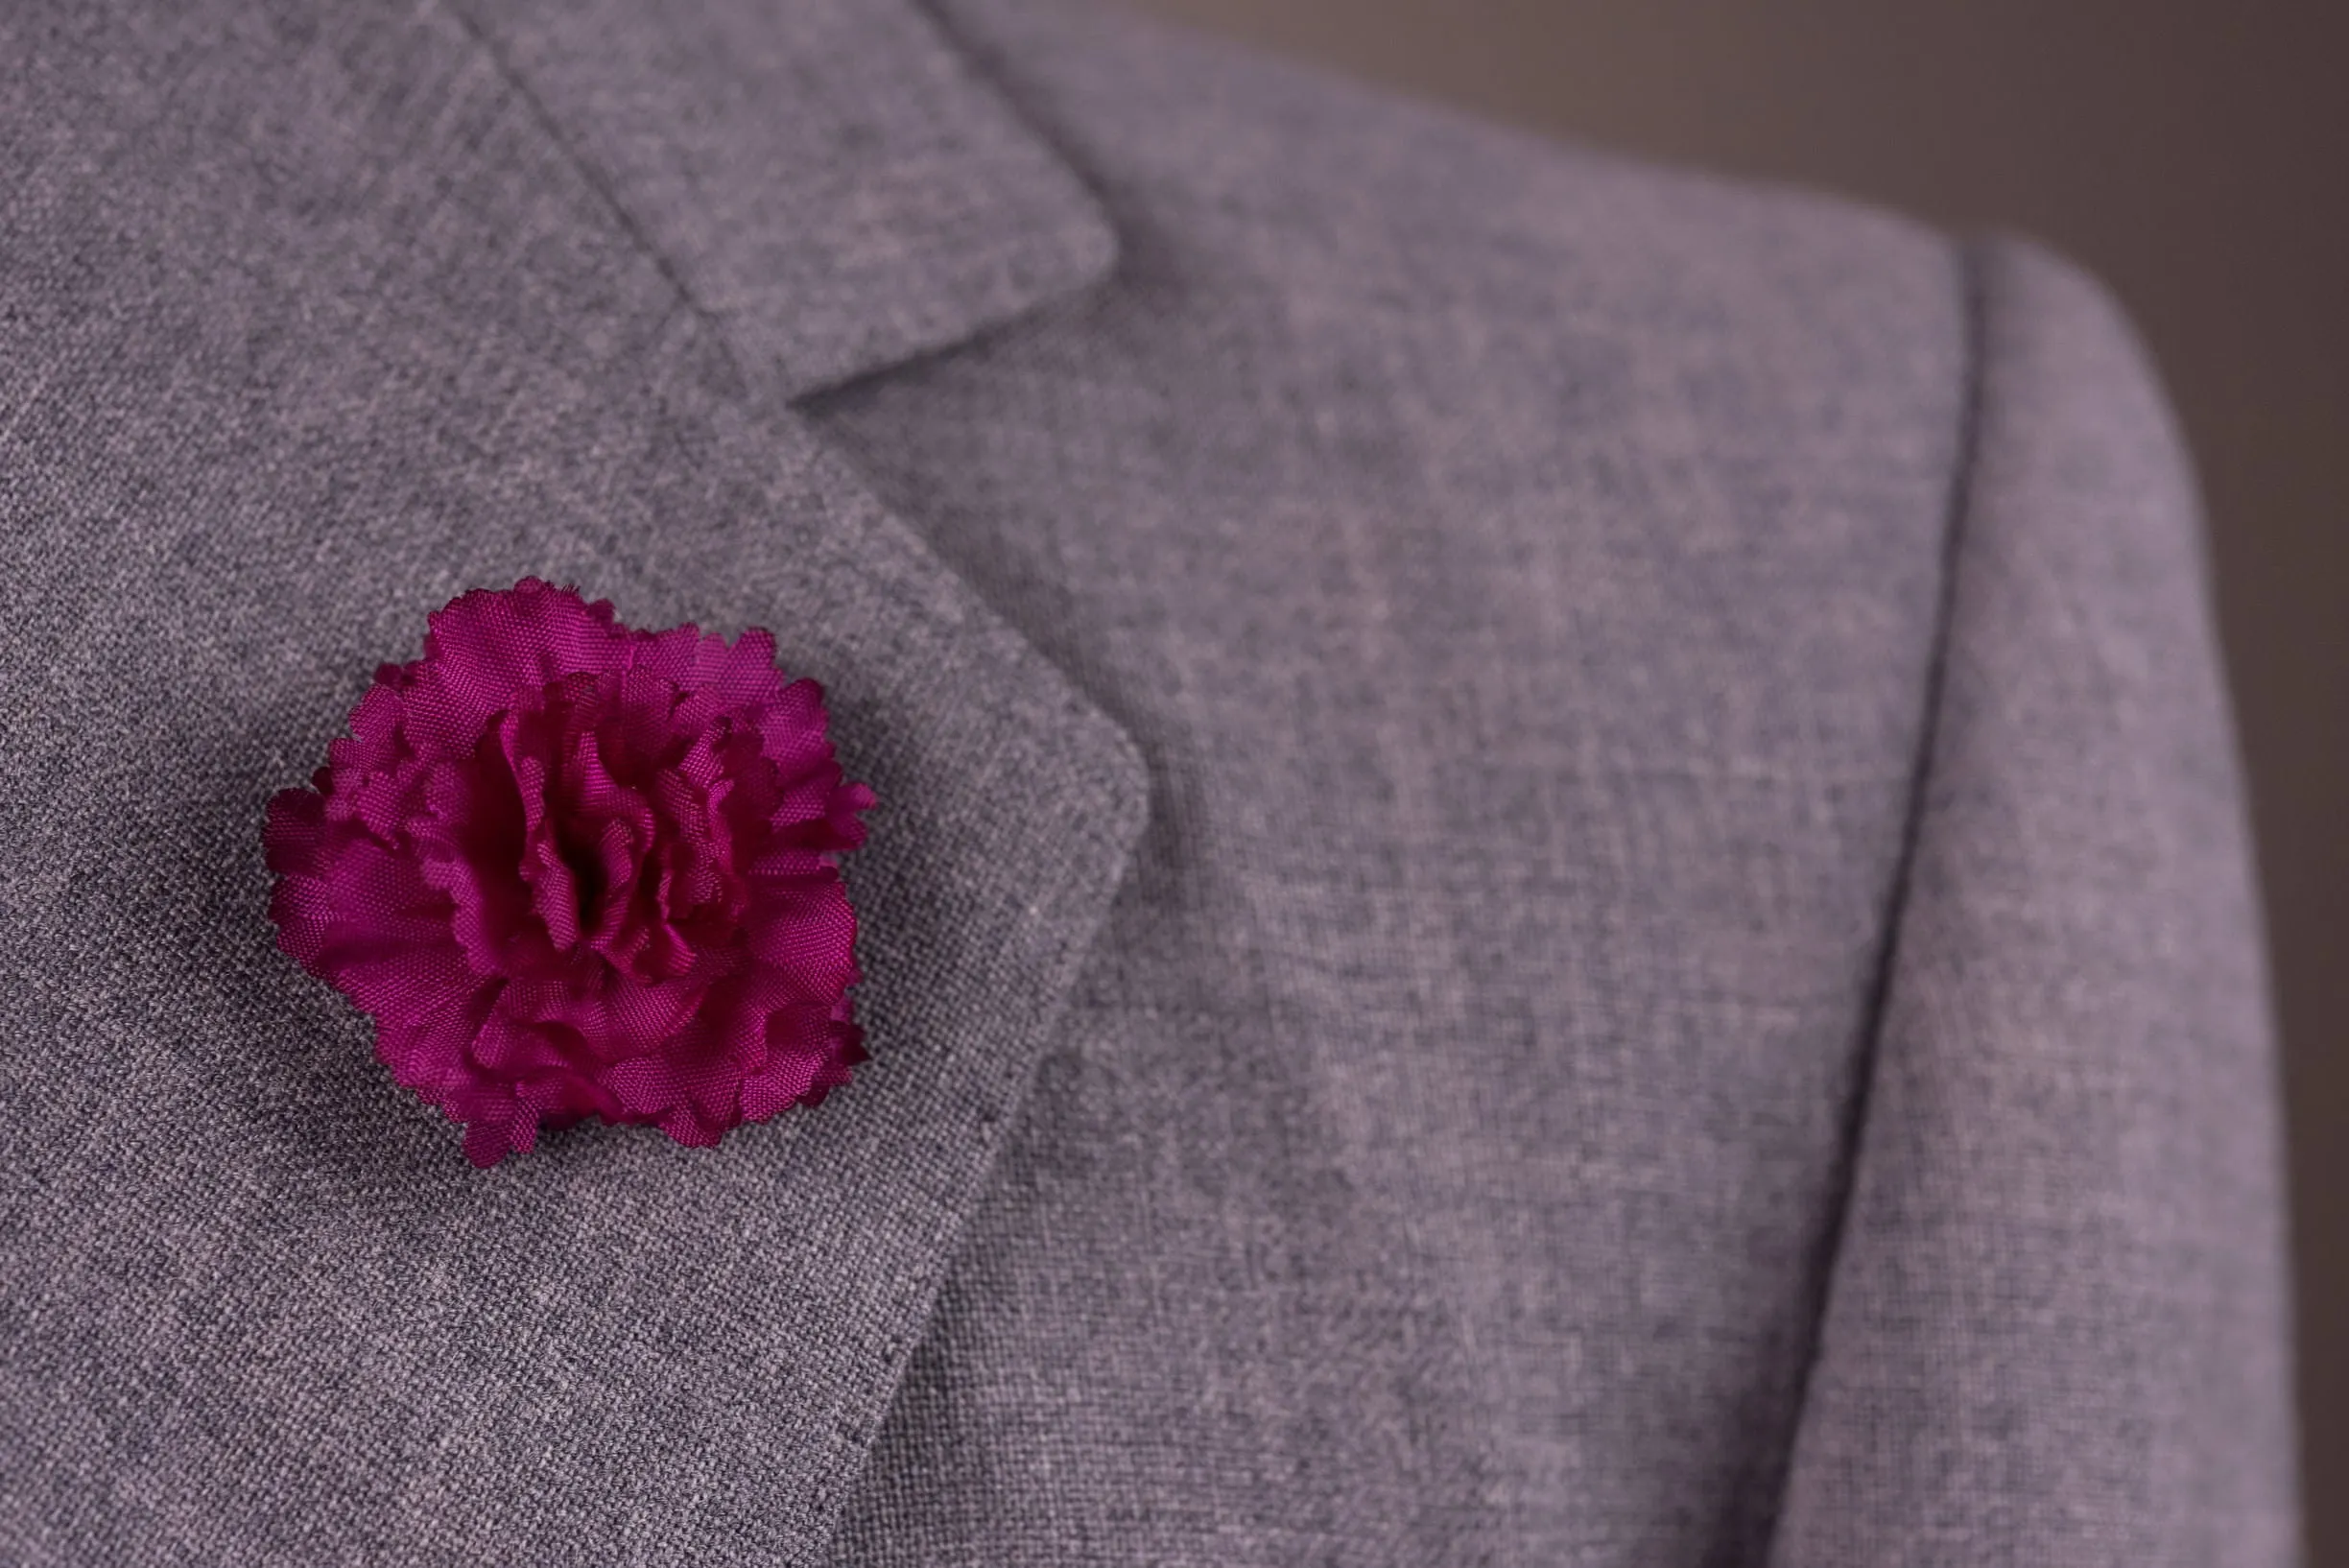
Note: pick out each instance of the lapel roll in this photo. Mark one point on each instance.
(324, 321)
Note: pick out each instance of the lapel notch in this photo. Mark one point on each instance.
(828, 181)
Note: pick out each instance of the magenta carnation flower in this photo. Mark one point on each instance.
(574, 869)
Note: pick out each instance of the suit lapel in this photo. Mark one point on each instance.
(319, 321)
(828, 181)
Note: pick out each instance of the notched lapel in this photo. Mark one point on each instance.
(312, 325)
(830, 181)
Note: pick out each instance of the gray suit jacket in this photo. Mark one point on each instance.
(1560, 881)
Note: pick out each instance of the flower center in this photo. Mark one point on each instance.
(586, 868)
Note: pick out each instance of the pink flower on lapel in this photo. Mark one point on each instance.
(574, 869)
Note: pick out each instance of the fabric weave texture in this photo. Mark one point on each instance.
(1563, 877)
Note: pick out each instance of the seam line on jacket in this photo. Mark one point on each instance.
(1973, 328)
(596, 184)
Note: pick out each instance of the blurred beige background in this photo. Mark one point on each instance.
(2194, 153)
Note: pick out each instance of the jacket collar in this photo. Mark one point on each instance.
(828, 181)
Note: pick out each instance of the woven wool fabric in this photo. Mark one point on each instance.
(1560, 876)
